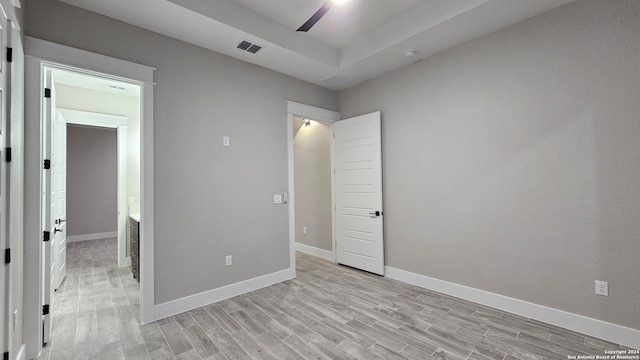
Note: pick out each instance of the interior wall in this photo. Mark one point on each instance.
(82, 99)
(210, 201)
(92, 180)
(312, 182)
(512, 162)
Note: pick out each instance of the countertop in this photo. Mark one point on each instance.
(135, 217)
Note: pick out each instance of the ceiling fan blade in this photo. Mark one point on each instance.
(315, 17)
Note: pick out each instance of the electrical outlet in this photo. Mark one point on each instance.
(225, 141)
(15, 319)
(304, 229)
(602, 288)
(277, 199)
(227, 260)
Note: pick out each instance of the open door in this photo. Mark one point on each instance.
(53, 200)
(59, 200)
(358, 193)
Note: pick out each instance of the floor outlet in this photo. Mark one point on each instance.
(602, 288)
(227, 260)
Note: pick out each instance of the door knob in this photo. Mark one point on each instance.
(374, 213)
(55, 230)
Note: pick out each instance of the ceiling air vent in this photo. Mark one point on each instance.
(249, 47)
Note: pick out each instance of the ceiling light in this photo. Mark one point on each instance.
(338, 2)
(306, 122)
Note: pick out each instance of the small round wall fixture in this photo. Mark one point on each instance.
(410, 53)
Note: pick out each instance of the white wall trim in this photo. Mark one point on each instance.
(208, 297)
(94, 236)
(312, 250)
(315, 113)
(77, 58)
(22, 353)
(312, 112)
(92, 118)
(593, 327)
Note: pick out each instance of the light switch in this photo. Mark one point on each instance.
(277, 199)
(225, 141)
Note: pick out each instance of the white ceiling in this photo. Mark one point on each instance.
(352, 43)
(341, 25)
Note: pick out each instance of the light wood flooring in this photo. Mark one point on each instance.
(327, 312)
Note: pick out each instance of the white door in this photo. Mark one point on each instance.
(358, 193)
(59, 199)
(49, 187)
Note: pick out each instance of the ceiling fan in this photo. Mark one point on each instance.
(319, 14)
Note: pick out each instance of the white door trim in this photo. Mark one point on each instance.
(120, 124)
(314, 113)
(38, 53)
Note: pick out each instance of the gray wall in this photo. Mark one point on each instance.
(71, 97)
(92, 180)
(512, 162)
(210, 201)
(312, 175)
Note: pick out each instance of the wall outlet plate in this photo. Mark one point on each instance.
(602, 288)
(228, 261)
(277, 199)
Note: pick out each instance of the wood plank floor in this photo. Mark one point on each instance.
(327, 312)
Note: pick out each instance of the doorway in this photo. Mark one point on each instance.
(40, 55)
(356, 183)
(87, 101)
(313, 157)
(296, 112)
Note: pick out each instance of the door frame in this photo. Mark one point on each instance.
(295, 109)
(119, 123)
(39, 53)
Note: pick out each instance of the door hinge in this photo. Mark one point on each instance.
(6, 355)
(7, 152)
(45, 309)
(46, 236)
(9, 54)
(47, 92)
(47, 164)
(7, 256)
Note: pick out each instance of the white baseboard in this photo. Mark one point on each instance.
(22, 353)
(181, 305)
(589, 326)
(312, 250)
(95, 236)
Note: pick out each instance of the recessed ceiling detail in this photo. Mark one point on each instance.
(360, 39)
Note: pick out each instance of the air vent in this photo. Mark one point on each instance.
(249, 47)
